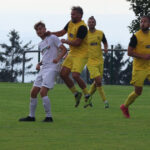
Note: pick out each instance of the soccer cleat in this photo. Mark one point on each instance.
(48, 119)
(125, 111)
(78, 98)
(88, 101)
(107, 105)
(28, 118)
(89, 104)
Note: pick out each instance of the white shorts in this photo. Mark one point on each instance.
(46, 78)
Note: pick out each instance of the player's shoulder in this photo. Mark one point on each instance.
(138, 32)
(99, 31)
(52, 37)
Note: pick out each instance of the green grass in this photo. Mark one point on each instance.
(73, 128)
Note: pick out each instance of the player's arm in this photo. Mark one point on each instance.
(63, 52)
(38, 65)
(81, 34)
(61, 32)
(132, 46)
(58, 33)
(104, 41)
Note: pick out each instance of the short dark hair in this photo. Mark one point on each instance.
(92, 17)
(40, 23)
(146, 16)
(78, 9)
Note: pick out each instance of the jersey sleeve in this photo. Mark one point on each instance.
(66, 27)
(82, 32)
(133, 41)
(104, 40)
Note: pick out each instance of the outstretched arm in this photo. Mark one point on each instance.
(81, 34)
(76, 42)
(59, 33)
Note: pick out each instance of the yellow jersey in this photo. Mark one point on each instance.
(94, 47)
(142, 47)
(77, 51)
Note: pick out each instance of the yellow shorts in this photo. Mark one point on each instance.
(139, 76)
(75, 64)
(95, 70)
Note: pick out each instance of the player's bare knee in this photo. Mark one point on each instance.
(75, 76)
(138, 92)
(63, 74)
(98, 84)
(33, 94)
(43, 93)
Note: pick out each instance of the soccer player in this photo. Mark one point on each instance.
(49, 47)
(95, 60)
(139, 49)
(75, 61)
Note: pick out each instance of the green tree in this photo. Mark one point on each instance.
(11, 56)
(140, 8)
(116, 67)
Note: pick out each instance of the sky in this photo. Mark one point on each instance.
(113, 17)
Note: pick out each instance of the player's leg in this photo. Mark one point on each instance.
(130, 99)
(32, 106)
(46, 104)
(92, 89)
(48, 83)
(133, 95)
(68, 81)
(33, 98)
(138, 78)
(78, 65)
(65, 72)
(98, 82)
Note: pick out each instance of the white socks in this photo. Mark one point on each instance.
(33, 103)
(47, 106)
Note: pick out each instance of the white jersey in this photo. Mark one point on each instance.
(49, 48)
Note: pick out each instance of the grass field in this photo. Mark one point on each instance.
(73, 128)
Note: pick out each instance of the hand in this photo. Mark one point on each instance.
(38, 66)
(55, 61)
(47, 33)
(63, 40)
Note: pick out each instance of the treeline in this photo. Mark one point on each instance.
(11, 58)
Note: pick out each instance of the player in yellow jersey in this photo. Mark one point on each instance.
(74, 63)
(139, 49)
(95, 60)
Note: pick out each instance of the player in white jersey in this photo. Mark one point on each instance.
(49, 67)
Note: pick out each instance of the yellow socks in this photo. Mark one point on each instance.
(101, 92)
(73, 90)
(131, 98)
(85, 91)
(92, 89)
